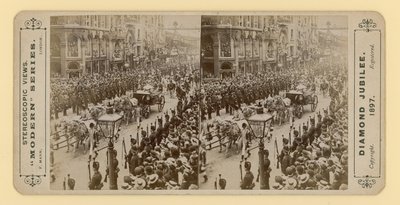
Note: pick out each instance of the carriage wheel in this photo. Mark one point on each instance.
(299, 111)
(314, 104)
(147, 111)
(161, 103)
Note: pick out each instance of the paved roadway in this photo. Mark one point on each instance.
(227, 164)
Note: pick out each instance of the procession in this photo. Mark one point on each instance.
(133, 126)
(276, 126)
(242, 103)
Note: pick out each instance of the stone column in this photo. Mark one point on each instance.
(63, 54)
(215, 38)
(236, 47)
(83, 53)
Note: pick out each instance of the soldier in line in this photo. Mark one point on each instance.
(248, 179)
(96, 182)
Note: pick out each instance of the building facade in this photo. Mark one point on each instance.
(83, 45)
(232, 45)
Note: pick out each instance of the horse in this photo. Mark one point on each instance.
(282, 113)
(75, 130)
(127, 108)
(229, 134)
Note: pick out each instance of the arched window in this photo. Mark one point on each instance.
(226, 66)
(73, 45)
(73, 66)
(117, 55)
(73, 69)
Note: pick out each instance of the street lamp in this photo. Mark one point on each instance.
(260, 125)
(109, 124)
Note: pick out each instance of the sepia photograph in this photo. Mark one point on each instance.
(199, 103)
(124, 102)
(274, 104)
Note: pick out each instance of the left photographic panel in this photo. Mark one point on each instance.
(124, 102)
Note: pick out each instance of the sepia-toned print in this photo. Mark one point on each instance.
(276, 109)
(199, 102)
(124, 102)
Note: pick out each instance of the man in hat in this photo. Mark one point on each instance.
(133, 158)
(153, 136)
(285, 159)
(267, 169)
(96, 181)
(247, 182)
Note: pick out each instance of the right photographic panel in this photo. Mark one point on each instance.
(275, 102)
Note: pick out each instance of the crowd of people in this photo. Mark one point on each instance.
(318, 159)
(78, 93)
(170, 154)
(316, 155)
(231, 93)
(166, 156)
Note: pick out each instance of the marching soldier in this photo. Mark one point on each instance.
(247, 182)
(96, 181)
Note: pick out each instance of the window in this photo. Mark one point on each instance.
(248, 22)
(138, 50)
(256, 47)
(117, 55)
(291, 51)
(240, 20)
(249, 47)
(103, 47)
(95, 21)
(96, 47)
(73, 46)
(207, 46)
(88, 48)
(241, 48)
(270, 51)
(87, 20)
(102, 21)
(225, 45)
(291, 34)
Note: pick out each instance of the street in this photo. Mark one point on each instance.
(227, 164)
(76, 163)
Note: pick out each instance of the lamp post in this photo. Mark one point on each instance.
(259, 123)
(109, 123)
(112, 174)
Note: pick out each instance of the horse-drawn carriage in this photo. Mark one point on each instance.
(146, 99)
(301, 98)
